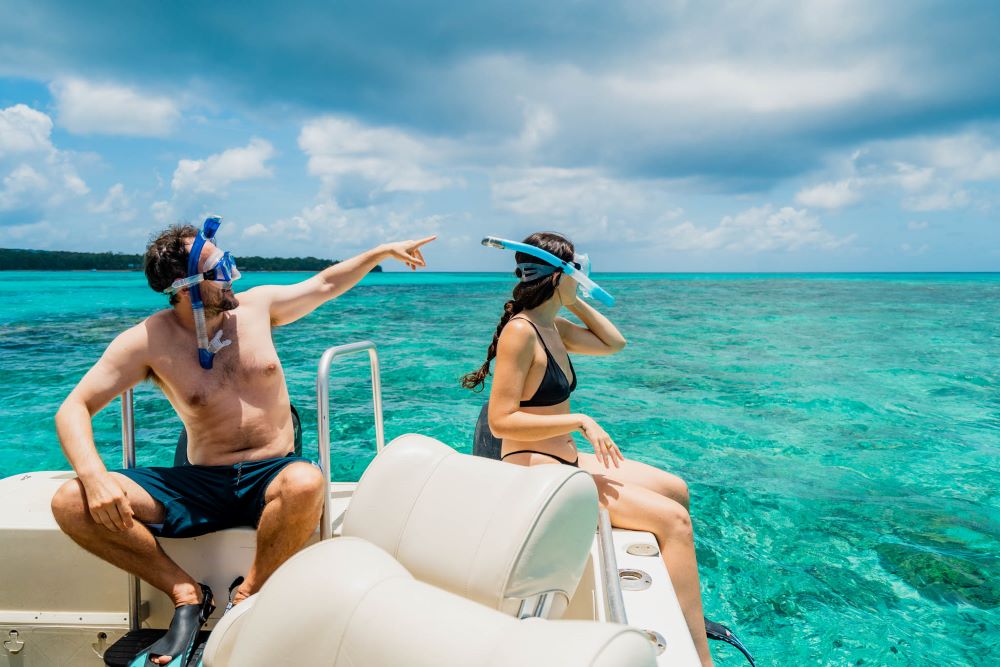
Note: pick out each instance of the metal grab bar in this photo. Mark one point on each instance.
(323, 413)
(128, 461)
(128, 429)
(612, 581)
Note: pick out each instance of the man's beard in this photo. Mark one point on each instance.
(221, 301)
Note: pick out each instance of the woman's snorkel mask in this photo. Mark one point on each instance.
(221, 268)
(578, 269)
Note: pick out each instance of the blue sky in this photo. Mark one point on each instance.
(659, 135)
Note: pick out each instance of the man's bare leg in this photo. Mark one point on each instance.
(134, 549)
(293, 504)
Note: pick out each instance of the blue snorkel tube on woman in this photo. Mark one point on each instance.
(578, 269)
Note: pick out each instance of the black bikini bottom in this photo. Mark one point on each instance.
(575, 463)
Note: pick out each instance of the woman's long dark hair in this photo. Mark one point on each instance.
(526, 296)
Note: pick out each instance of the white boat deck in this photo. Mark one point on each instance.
(56, 595)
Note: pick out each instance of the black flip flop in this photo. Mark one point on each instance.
(182, 635)
(719, 632)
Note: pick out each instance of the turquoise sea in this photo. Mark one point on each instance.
(840, 433)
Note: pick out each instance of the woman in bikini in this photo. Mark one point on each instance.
(529, 409)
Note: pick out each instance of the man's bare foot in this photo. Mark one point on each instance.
(241, 594)
(237, 593)
(186, 593)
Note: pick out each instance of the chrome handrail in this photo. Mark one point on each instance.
(323, 413)
(128, 429)
(612, 581)
(128, 461)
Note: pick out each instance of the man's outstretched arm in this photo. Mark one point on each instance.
(123, 365)
(288, 303)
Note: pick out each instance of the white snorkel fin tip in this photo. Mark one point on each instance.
(217, 343)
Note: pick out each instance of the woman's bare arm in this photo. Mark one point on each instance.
(599, 336)
(515, 350)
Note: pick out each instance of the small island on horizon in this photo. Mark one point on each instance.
(14, 259)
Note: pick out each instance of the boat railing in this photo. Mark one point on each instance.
(323, 412)
(128, 461)
(612, 578)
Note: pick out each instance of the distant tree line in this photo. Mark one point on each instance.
(62, 260)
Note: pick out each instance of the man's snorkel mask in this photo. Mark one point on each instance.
(221, 268)
(578, 269)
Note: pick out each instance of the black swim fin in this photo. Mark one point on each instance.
(719, 632)
(182, 636)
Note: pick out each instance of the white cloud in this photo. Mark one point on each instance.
(24, 130)
(36, 175)
(559, 193)
(255, 230)
(327, 225)
(162, 211)
(692, 103)
(539, 125)
(324, 229)
(583, 203)
(751, 87)
(216, 172)
(968, 156)
(104, 108)
(943, 199)
(910, 177)
(42, 234)
(830, 195)
(915, 225)
(115, 204)
(925, 174)
(756, 230)
(389, 159)
(19, 185)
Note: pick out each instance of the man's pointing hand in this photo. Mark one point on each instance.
(407, 252)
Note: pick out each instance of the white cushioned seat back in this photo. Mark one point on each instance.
(493, 532)
(346, 603)
(226, 632)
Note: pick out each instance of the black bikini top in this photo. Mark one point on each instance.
(555, 388)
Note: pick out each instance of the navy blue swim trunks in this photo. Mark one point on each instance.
(204, 499)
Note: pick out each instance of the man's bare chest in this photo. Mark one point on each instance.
(247, 368)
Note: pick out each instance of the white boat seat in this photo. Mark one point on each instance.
(496, 533)
(345, 603)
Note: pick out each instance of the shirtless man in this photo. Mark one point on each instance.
(235, 408)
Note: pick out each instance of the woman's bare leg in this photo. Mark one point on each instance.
(634, 507)
(642, 474)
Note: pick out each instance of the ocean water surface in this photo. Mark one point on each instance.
(840, 434)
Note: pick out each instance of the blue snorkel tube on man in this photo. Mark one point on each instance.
(222, 268)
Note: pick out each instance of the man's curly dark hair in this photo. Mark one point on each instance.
(167, 257)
